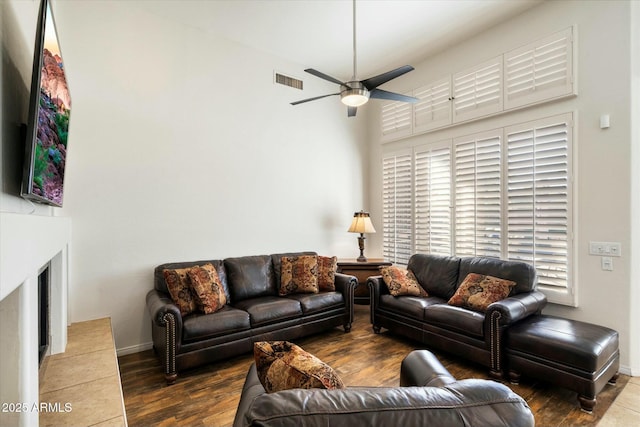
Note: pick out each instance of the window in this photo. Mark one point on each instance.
(478, 195)
(538, 72)
(539, 199)
(433, 200)
(478, 92)
(504, 193)
(397, 218)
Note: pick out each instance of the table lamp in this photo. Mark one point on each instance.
(361, 224)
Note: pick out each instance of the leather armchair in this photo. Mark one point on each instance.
(428, 395)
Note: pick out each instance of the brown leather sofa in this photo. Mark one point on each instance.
(428, 395)
(254, 312)
(474, 335)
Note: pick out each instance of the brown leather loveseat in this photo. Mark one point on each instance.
(474, 335)
(428, 395)
(254, 312)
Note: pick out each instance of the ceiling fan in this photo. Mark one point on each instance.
(355, 93)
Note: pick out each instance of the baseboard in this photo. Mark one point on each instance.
(134, 349)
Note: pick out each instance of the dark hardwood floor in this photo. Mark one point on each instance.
(208, 396)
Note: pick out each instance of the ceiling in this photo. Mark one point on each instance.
(318, 33)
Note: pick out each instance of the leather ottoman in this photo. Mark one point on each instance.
(576, 355)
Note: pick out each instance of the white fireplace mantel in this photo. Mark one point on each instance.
(27, 243)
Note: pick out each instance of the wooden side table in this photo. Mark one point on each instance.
(362, 271)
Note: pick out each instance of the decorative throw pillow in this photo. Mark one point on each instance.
(327, 267)
(477, 291)
(282, 365)
(299, 275)
(207, 288)
(179, 286)
(401, 282)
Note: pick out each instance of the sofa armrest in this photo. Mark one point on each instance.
(166, 330)
(377, 287)
(500, 315)
(421, 368)
(346, 285)
(159, 305)
(517, 307)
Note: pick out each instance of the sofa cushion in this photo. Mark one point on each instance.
(299, 274)
(438, 275)
(408, 305)
(312, 303)
(250, 277)
(225, 321)
(520, 272)
(282, 365)
(160, 284)
(477, 291)
(179, 287)
(456, 319)
(401, 282)
(276, 260)
(207, 289)
(327, 267)
(266, 310)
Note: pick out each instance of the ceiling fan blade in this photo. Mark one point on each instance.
(325, 76)
(376, 81)
(351, 111)
(313, 99)
(383, 94)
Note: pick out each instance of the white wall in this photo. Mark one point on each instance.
(602, 157)
(182, 148)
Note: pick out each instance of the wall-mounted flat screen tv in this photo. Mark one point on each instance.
(48, 123)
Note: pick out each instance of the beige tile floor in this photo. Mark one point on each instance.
(84, 380)
(86, 375)
(625, 410)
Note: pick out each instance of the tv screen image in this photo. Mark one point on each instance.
(49, 111)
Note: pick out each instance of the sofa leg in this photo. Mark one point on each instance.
(586, 404)
(171, 378)
(347, 327)
(376, 329)
(514, 377)
(613, 379)
(496, 375)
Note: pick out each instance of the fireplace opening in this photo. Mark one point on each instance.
(43, 313)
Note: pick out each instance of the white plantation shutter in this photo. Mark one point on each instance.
(478, 194)
(539, 200)
(478, 91)
(434, 108)
(397, 212)
(396, 120)
(539, 71)
(433, 200)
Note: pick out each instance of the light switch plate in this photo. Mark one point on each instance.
(605, 248)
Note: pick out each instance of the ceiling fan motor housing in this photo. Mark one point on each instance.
(354, 93)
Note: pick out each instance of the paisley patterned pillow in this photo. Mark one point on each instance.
(179, 286)
(282, 365)
(299, 275)
(477, 291)
(401, 282)
(327, 267)
(207, 288)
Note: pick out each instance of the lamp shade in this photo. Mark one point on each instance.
(361, 223)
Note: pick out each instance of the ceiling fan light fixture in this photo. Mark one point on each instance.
(355, 95)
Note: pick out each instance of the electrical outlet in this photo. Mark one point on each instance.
(605, 248)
